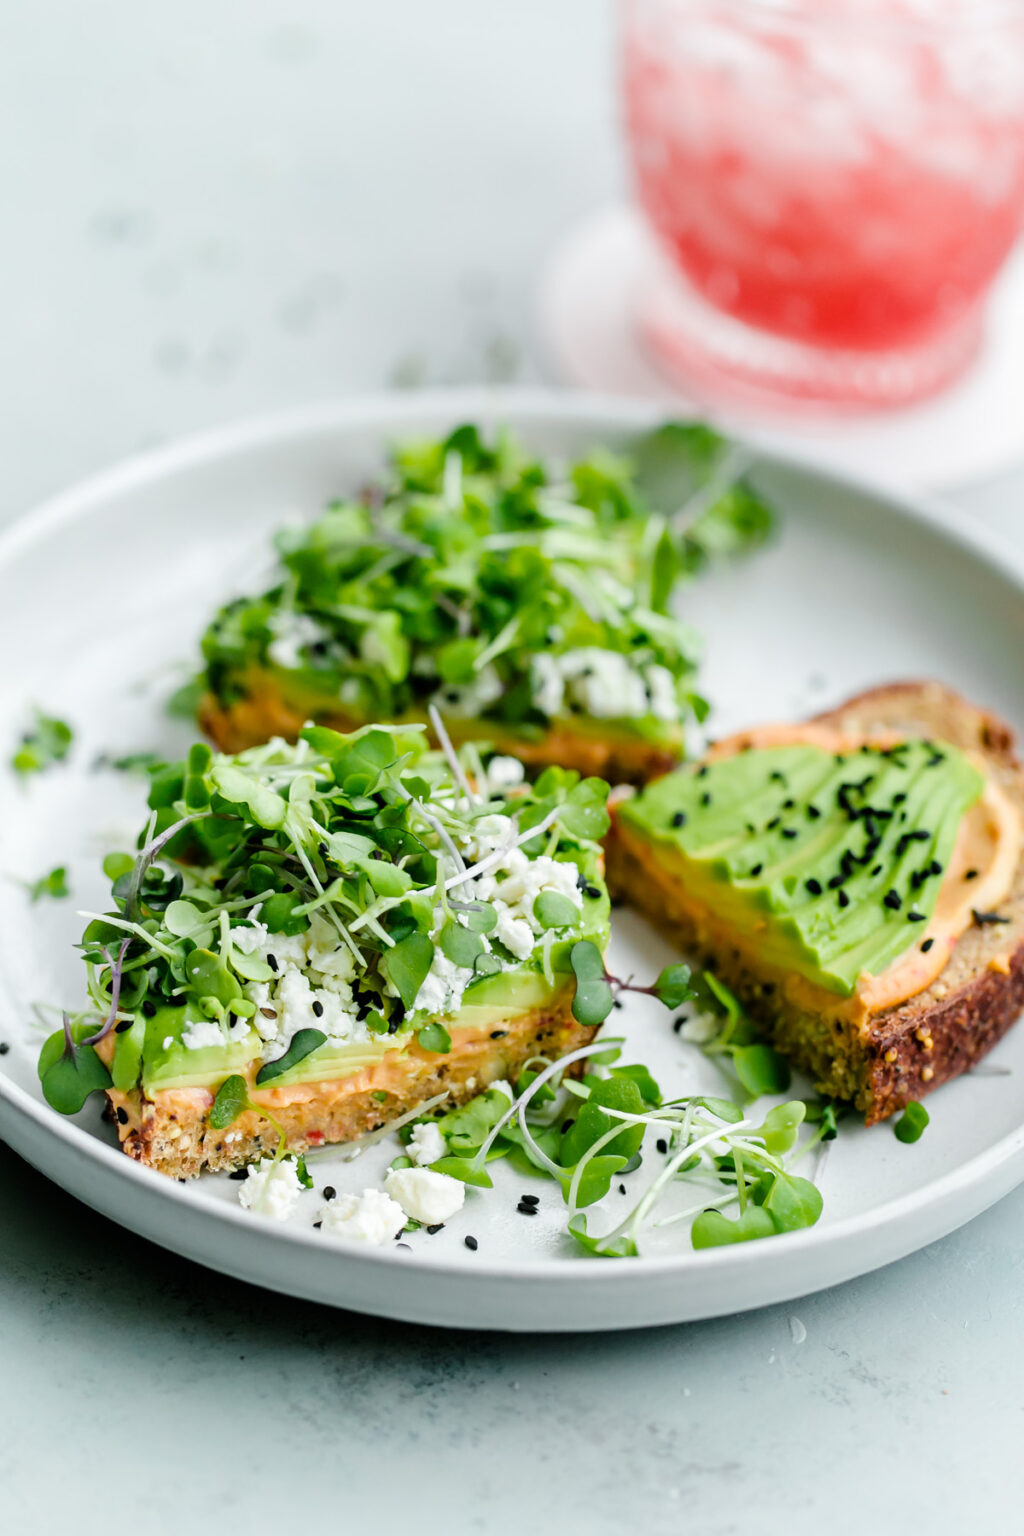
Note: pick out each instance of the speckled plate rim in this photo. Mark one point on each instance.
(548, 1295)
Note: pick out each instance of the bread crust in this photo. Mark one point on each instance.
(906, 1052)
(263, 713)
(172, 1133)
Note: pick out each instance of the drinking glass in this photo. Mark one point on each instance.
(835, 184)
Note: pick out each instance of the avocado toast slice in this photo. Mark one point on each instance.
(531, 605)
(316, 939)
(857, 881)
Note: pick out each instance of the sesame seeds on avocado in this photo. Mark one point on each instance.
(833, 862)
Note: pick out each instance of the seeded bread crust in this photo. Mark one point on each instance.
(172, 1133)
(263, 713)
(905, 1052)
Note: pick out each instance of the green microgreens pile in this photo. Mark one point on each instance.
(362, 831)
(446, 582)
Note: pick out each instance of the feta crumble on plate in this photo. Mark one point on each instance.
(425, 1195)
(372, 1218)
(426, 1144)
(271, 1188)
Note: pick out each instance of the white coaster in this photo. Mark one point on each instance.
(972, 430)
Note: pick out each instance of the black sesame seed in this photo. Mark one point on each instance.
(238, 1173)
(935, 868)
(269, 1013)
(498, 1034)
(916, 917)
(122, 1025)
(435, 1228)
(530, 1199)
(892, 900)
(789, 832)
(122, 1116)
(677, 1024)
(622, 1189)
(756, 870)
(813, 813)
(471, 1243)
(317, 1225)
(844, 900)
(926, 946)
(593, 891)
(705, 798)
(661, 1144)
(814, 886)
(272, 962)
(526, 1210)
(318, 1008)
(771, 825)
(679, 819)
(149, 1009)
(787, 805)
(702, 771)
(971, 874)
(329, 1191)
(899, 799)
(877, 870)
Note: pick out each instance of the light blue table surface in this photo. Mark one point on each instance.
(210, 210)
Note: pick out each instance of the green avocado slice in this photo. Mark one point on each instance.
(836, 860)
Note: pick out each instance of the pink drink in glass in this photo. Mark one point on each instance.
(836, 181)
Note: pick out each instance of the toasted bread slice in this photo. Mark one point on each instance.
(595, 749)
(171, 1131)
(906, 1051)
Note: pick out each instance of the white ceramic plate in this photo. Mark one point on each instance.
(102, 595)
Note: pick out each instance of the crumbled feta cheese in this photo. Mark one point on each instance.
(324, 951)
(271, 1188)
(372, 1217)
(604, 683)
(486, 835)
(293, 633)
(701, 1029)
(167, 1042)
(514, 932)
(524, 884)
(301, 1006)
(311, 985)
(442, 988)
(200, 1033)
(472, 698)
(547, 685)
(426, 1144)
(504, 773)
(663, 702)
(425, 1195)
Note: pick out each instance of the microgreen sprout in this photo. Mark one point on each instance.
(912, 1123)
(47, 741)
(53, 885)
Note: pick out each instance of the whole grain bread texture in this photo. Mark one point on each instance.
(171, 1131)
(262, 711)
(907, 1051)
